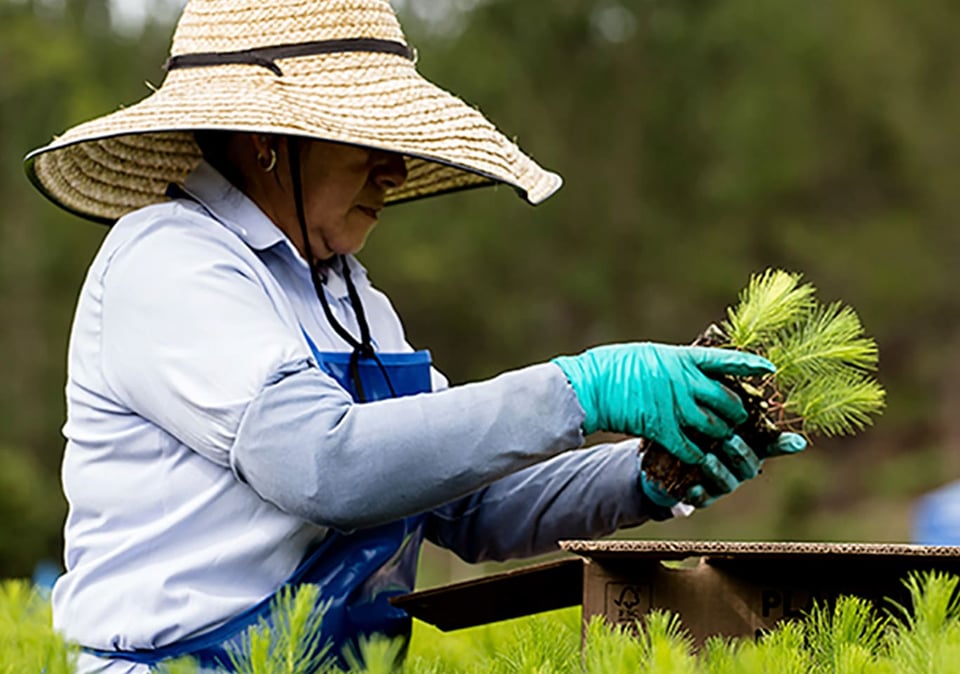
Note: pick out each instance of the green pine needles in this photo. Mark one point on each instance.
(28, 642)
(824, 383)
(847, 636)
(825, 363)
(293, 645)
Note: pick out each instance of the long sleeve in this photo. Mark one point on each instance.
(304, 446)
(583, 494)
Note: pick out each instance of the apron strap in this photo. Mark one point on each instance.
(362, 348)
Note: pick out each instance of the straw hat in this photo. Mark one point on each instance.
(336, 70)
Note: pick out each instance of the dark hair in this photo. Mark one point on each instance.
(215, 147)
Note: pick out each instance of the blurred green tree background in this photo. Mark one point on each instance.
(700, 142)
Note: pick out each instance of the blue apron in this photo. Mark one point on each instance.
(356, 573)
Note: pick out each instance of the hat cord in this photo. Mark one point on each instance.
(266, 57)
(362, 348)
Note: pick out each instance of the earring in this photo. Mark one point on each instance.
(271, 165)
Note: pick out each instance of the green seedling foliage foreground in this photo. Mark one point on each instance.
(849, 636)
(28, 642)
(927, 636)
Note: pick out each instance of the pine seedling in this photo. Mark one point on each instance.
(823, 383)
(542, 646)
(772, 301)
(377, 654)
(856, 659)
(293, 645)
(823, 386)
(844, 637)
(783, 651)
(720, 655)
(823, 380)
(667, 647)
(28, 642)
(611, 648)
(935, 604)
(926, 637)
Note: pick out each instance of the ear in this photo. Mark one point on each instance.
(263, 143)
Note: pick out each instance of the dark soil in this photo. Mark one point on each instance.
(758, 431)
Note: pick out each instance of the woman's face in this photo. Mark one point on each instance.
(344, 187)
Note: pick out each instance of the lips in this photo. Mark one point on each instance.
(369, 211)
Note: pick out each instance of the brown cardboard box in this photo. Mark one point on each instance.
(725, 588)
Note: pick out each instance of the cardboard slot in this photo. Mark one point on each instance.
(511, 594)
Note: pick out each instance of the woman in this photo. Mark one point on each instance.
(244, 411)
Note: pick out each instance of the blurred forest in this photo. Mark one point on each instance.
(700, 142)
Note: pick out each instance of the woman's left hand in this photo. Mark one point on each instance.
(735, 463)
(664, 393)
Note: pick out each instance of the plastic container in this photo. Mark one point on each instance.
(936, 517)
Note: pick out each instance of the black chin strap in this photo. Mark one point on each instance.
(363, 347)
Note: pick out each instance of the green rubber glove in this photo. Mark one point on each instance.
(734, 464)
(660, 392)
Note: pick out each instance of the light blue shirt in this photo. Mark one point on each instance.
(206, 451)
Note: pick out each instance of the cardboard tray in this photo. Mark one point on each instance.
(716, 587)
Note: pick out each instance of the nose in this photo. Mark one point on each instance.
(389, 170)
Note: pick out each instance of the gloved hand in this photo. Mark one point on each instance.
(660, 392)
(734, 464)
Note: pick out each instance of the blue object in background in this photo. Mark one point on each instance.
(936, 518)
(45, 574)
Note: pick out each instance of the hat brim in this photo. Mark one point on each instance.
(123, 161)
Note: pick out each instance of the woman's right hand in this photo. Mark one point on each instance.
(661, 392)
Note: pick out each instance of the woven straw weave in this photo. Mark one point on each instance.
(114, 164)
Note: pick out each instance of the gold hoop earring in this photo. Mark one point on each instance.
(273, 161)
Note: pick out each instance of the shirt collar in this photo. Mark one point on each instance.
(238, 213)
(232, 208)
